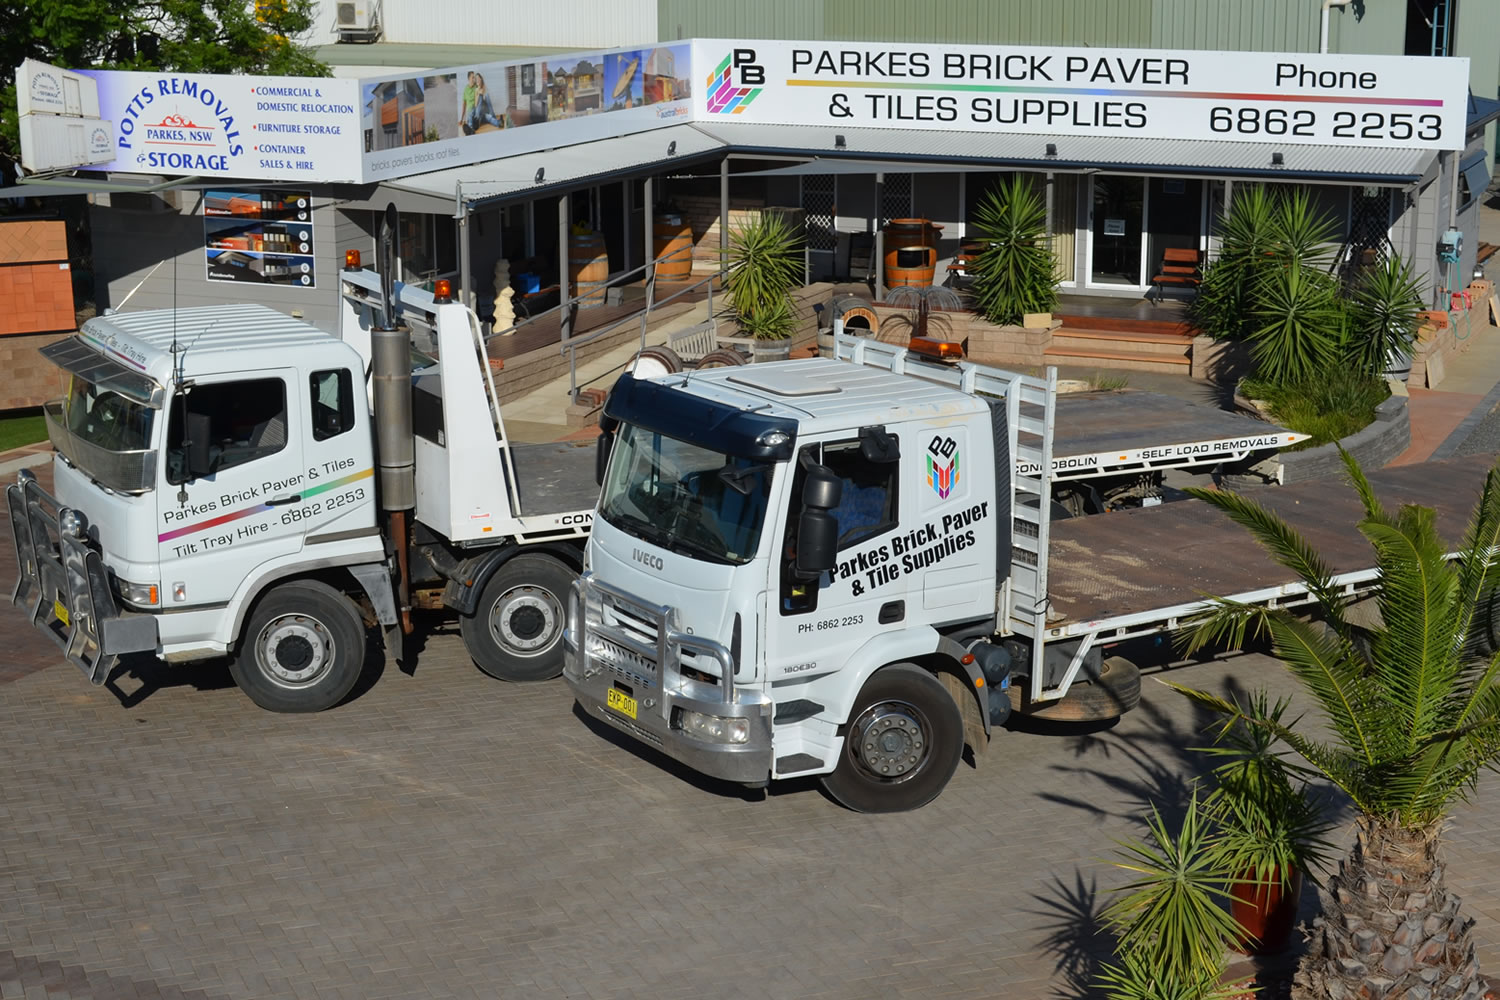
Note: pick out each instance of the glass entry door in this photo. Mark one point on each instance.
(1115, 237)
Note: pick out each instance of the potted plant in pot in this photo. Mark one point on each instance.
(1271, 831)
(765, 264)
(1015, 272)
(1385, 311)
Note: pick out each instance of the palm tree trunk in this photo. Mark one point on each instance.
(1390, 930)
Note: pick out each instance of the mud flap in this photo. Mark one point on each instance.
(966, 698)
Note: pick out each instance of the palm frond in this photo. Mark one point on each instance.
(1477, 564)
(1284, 544)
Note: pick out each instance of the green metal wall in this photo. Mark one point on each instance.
(1121, 23)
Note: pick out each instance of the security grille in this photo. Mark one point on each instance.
(895, 198)
(1369, 232)
(817, 205)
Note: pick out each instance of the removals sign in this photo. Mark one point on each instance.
(254, 127)
(1339, 100)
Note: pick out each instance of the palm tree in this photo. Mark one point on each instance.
(1414, 716)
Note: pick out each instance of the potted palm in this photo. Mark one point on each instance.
(1385, 311)
(764, 264)
(1412, 719)
(1169, 920)
(1271, 831)
(1015, 272)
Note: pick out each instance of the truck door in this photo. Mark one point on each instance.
(231, 500)
(819, 622)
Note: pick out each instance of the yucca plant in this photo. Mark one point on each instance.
(1413, 718)
(1016, 271)
(1384, 314)
(1296, 322)
(1169, 919)
(765, 264)
(1222, 305)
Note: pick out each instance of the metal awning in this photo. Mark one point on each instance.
(904, 149)
(566, 166)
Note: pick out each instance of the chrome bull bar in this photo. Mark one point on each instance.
(63, 585)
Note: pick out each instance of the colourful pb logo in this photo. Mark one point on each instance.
(735, 82)
(942, 465)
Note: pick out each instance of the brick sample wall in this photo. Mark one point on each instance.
(36, 285)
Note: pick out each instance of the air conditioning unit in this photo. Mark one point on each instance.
(358, 20)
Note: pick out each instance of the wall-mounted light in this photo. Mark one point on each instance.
(540, 173)
(1277, 160)
(672, 148)
(838, 141)
(1051, 149)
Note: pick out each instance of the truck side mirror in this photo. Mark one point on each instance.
(603, 445)
(822, 489)
(199, 463)
(817, 529)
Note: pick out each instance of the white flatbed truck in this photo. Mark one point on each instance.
(845, 568)
(224, 484)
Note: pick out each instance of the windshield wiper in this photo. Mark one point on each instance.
(657, 535)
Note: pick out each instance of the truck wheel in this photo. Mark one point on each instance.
(302, 650)
(903, 743)
(1116, 691)
(515, 632)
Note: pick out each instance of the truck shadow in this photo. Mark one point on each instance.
(702, 782)
(138, 676)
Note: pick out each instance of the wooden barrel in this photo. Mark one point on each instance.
(588, 269)
(902, 265)
(672, 242)
(915, 265)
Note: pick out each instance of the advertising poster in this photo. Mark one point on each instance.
(259, 236)
(469, 114)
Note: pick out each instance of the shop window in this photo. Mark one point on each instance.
(242, 421)
(428, 247)
(332, 394)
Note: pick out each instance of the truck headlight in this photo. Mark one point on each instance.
(714, 728)
(142, 595)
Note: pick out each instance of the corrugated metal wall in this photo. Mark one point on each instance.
(576, 24)
(1077, 22)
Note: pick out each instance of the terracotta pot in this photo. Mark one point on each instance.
(1267, 911)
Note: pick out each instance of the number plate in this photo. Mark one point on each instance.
(620, 701)
(61, 612)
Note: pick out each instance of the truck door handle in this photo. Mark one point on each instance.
(283, 501)
(892, 611)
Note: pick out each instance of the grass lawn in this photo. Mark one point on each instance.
(25, 429)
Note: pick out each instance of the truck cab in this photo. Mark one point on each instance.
(200, 454)
(787, 567)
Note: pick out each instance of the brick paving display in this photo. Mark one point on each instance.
(446, 835)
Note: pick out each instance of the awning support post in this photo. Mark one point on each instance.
(648, 215)
(564, 287)
(877, 264)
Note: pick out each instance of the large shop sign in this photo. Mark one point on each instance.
(1338, 100)
(333, 130)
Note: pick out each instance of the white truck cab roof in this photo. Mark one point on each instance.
(821, 394)
(211, 340)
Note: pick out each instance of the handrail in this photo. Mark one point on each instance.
(576, 299)
(574, 342)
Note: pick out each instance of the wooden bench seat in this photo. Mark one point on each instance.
(1179, 266)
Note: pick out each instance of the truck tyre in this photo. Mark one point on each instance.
(1116, 691)
(902, 745)
(302, 650)
(515, 632)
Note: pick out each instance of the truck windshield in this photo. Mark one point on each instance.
(106, 419)
(684, 498)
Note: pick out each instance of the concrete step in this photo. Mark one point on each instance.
(1140, 343)
(1127, 360)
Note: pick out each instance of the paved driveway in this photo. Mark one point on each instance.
(447, 835)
